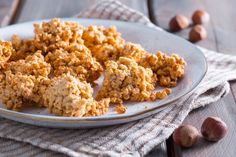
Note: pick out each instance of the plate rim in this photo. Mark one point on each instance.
(117, 117)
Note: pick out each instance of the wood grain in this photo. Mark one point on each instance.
(7, 11)
(41, 9)
(221, 37)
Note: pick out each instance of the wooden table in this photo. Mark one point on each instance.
(221, 37)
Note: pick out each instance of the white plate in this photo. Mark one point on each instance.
(152, 40)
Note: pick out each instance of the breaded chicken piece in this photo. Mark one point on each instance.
(56, 34)
(68, 96)
(17, 90)
(76, 60)
(105, 44)
(126, 80)
(6, 51)
(168, 69)
(32, 65)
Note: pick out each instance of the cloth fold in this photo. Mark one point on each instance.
(131, 139)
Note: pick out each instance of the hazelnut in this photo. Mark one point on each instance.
(178, 23)
(200, 17)
(197, 33)
(213, 129)
(186, 135)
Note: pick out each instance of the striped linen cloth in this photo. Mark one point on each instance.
(131, 139)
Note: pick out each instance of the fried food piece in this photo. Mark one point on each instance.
(105, 44)
(126, 80)
(56, 34)
(168, 69)
(77, 60)
(32, 65)
(18, 89)
(68, 96)
(6, 51)
(22, 47)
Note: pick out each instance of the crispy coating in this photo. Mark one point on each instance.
(32, 65)
(134, 51)
(126, 80)
(68, 96)
(55, 34)
(20, 81)
(168, 69)
(22, 48)
(77, 60)
(17, 89)
(120, 109)
(105, 44)
(6, 51)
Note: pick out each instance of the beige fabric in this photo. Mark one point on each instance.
(132, 139)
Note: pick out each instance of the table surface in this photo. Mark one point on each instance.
(221, 37)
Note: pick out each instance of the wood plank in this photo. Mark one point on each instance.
(225, 147)
(163, 11)
(7, 11)
(221, 37)
(41, 9)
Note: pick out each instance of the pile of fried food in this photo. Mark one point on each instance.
(58, 67)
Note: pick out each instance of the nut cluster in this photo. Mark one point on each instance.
(198, 32)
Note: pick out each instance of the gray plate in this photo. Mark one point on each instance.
(152, 40)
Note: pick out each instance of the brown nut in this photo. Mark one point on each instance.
(213, 129)
(197, 33)
(200, 17)
(178, 23)
(186, 136)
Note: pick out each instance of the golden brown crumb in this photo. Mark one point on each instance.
(75, 60)
(134, 51)
(105, 44)
(68, 96)
(168, 69)
(55, 34)
(22, 48)
(163, 93)
(121, 109)
(32, 65)
(6, 51)
(16, 89)
(126, 80)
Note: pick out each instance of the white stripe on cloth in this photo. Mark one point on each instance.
(132, 139)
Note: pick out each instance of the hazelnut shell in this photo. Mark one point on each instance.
(178, 23)
(200, 17)
(197, 33)
(186, 136)
(213, 129)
